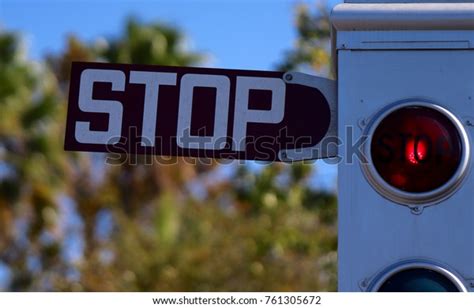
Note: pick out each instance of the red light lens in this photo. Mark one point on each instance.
(416, 149)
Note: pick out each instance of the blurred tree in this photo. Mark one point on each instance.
(264, 231)
(130, 188)
(312, 46)
(32, 166)
(166, 226)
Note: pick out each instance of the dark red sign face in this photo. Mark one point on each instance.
(183, 111)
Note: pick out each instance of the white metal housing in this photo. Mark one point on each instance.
(389, 53)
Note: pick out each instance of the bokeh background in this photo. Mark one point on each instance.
(72, 222)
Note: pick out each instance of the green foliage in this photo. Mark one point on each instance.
(33, 166)
(152, 44)
(312, 48)
(142, 227)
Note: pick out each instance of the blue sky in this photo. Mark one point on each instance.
(242, 34)
(238, 34)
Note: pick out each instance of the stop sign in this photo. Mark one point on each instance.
(201, 112)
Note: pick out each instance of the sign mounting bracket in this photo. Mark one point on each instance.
(328, 145)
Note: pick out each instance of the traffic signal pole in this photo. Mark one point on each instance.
(406, 83)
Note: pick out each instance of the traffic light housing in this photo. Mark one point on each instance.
(405, 85)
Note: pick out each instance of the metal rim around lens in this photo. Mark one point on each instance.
(389, 272)
(408, 198)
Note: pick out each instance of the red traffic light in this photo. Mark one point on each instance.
(419, 150)
(416, 149)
